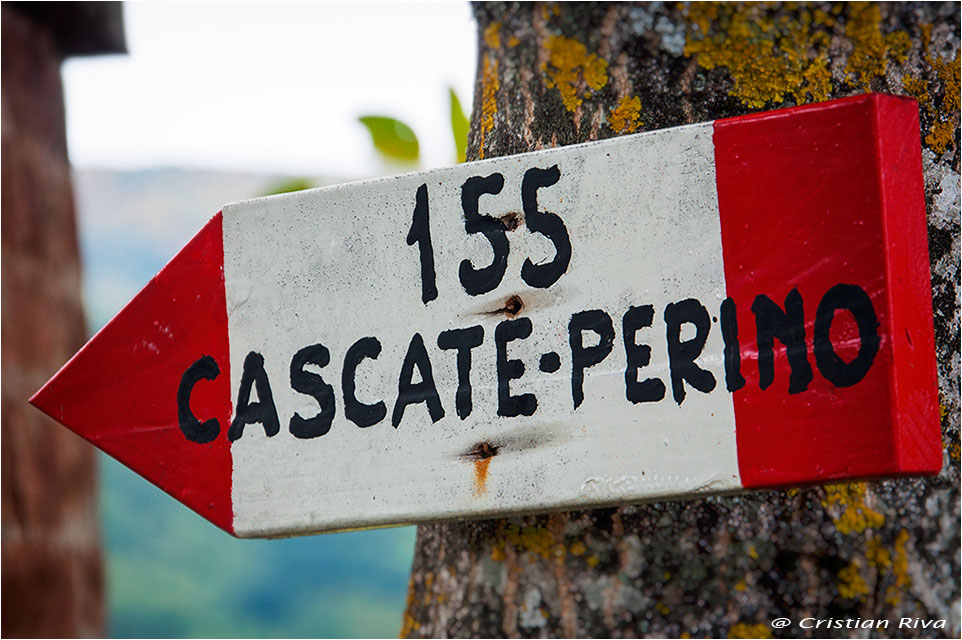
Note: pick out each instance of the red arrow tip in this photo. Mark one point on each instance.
(120, 390)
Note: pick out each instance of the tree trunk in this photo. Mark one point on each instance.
(52, 568)
(558, 74)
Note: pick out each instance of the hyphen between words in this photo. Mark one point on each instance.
(591, 338)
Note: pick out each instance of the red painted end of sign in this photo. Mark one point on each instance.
(806, 204)
(915, 401)
(119, 391)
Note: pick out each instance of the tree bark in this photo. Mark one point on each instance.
(52, 566)
(558, 74)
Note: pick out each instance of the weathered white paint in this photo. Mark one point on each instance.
(332, 265)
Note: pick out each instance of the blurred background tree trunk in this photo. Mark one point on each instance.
(559, 74)
(52, 568)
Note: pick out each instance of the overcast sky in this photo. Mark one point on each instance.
(270, 87)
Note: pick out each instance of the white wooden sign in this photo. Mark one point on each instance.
(690, 311)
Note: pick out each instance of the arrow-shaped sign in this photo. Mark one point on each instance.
(737, 304)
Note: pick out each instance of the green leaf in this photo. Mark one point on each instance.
(291, 184)
(459, 126)
(392, 138)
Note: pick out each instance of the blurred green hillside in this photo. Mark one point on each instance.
(172, 574)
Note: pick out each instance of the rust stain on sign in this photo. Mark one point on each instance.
(512, 220)
(482, 455)
(481, 476)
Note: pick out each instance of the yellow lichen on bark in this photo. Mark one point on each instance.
(537, 540)
(549, 9)
(943, 113)
(868, 59)
(899, 44)
(877, 554)
(871, 49)
(894, 564)
(490, 84)
(625, 118)
(851, 584)
(770, 57)
(744, 630)
(492, 35)
(900, 569)
(850, 513)
(573, 71)
(948, 73)
(955, 451)
(773, 55)
(942, 132)
(409, 624)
